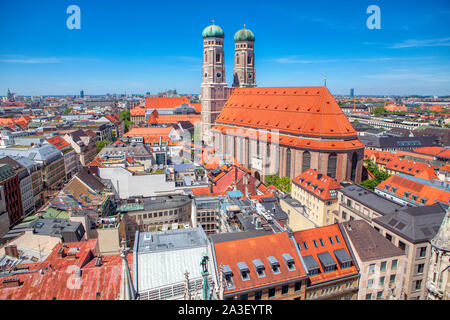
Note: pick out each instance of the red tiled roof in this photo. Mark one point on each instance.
(429, 150)
(58, 142)
(137, 111)
(306, 111)
(316, 183)
(407, 166)
(427, 174)
(58, 279)
(422, 191)
(324, 233)
(150, 135)
(197, 107)
(393, 107)
(261, 247)
(164, 102)
(203, 191)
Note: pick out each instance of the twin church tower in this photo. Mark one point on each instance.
(214, 89)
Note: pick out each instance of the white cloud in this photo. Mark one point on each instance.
(33, 60)
(442, 42)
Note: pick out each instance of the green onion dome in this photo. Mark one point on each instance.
(213, 31)
(244, 35)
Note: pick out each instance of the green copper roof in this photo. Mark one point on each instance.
(213, 31)
(244, 35)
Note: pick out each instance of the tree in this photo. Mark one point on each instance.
(68, 110)
(271, 179)
(125, 116)
(284, 183)
(379, 176)
(379, 110)
(101, 144)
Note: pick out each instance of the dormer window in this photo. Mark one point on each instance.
(243, 269)
(274, 264)
(259, 267)
(290, 263)
(228, 275)
(315, 243)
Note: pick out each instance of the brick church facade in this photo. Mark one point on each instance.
(282, 130)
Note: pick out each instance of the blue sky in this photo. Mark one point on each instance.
(137, 46)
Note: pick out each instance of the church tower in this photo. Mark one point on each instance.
(214, 88)
(244, 59)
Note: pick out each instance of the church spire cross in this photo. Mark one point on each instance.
(213, 21)
(244, 25)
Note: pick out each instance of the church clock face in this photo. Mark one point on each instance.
(250, 75)
(219, 74)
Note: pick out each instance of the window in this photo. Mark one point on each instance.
(145, 216)
(421, 252)
(392, 278)
(304, 244)
(331, 240)
(418, 284)
(420, 268)
(380, 295)
(288, 163)
(332, 164)
(388, 236)
(372, 268)
(370, 283)
(344, 215)
(376, 228)
(321, 243)
(306, 163)
(244, 297)
(337, 239)
(258, 295)
(298, 286)
(383, 266)
(315, 244)
(381, 282)
(217, 57)
(285, 289)
(369, 296)
(401, 245)
(394, 264)
(271, 292)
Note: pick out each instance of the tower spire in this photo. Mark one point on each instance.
(126, 284)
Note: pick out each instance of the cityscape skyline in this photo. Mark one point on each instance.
(115, 51)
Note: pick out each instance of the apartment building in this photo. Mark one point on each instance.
(438, 280)
(333, 272)
(380, 262)
(318, 193)
(155, 213)
(69, 154)
(50, 159)
(266, 267)
(34, 169)
(9, 180)
(26, 187)
(206, 214)
(411, 230)
(356, 202)
(83, 142)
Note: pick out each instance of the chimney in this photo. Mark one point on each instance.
(12, 251)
